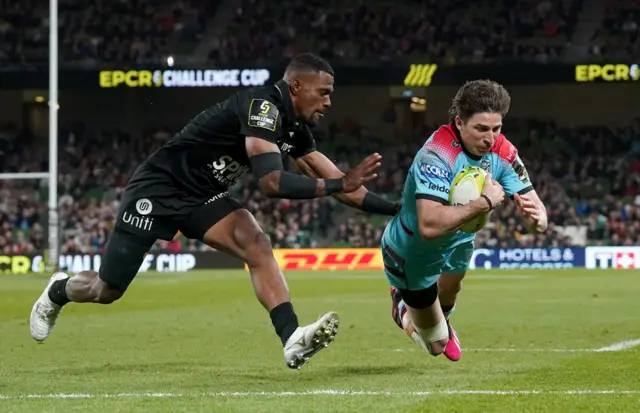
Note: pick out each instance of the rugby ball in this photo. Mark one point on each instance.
(467, 187)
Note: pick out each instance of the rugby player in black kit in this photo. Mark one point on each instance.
(183, 186)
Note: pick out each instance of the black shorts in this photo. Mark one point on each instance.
(143, 219)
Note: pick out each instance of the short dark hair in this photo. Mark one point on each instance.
(308, 62)
(479, 96)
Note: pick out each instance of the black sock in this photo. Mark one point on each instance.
(284, 320)
(58, 292)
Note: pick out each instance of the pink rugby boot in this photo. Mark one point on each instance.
(453, 350)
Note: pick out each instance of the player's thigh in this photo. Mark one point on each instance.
(457, 263)
(123, 257)
(406, 272)
(226, 226)
(141, 220)
(456, 268)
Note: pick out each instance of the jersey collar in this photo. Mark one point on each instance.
(456, 133)
(282, 89)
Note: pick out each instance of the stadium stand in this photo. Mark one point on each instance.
(484, 30)
(588, 177)
(140, 31)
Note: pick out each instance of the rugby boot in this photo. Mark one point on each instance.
(453, 350)
(308, 340)
(45, 312)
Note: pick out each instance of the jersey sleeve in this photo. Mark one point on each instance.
(305, 143)
(514, 178)
(432, 177)
(259, 118)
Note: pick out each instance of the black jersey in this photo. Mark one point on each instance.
(209, 155)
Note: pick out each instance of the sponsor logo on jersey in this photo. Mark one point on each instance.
(520, 170)
(227, 170)
(263, 114)
(486, 165)
(140, 222)
(216, 197)
(439, 188)
(434, 171)
(286, 147)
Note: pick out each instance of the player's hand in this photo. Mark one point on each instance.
(361, 174)
(493, 190)
(527, 207)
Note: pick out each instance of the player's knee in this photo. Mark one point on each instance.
(421, 298)
(258, 250)
(105, 293)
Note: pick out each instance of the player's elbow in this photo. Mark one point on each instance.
(269, 184)
(429, 230)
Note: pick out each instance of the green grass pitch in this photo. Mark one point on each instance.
(200, 342)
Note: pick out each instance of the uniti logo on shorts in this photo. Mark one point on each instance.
(143, 223)
(144, 207)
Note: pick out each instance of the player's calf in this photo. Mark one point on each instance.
(449, 286)
(87, 287)
(431, 330)
(238, 233)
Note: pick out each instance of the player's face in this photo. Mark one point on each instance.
(313, 97)
(480, 132)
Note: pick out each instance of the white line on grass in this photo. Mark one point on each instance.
(534, 350)
(623, 345)
(318, 393)
(515, 350)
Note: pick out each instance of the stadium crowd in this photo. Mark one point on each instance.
(138, 31)
(484, 30)
(589, 179)
(619, 36)
(145, 31)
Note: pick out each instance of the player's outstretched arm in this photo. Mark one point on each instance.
(315, 164)
(436, 219)
(533, 211)
(274, 182)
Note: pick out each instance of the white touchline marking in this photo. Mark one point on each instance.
(533, 350)
(515, 350)
(318, 393)
(623, 345)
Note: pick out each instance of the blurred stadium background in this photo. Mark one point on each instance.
(132, 72)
